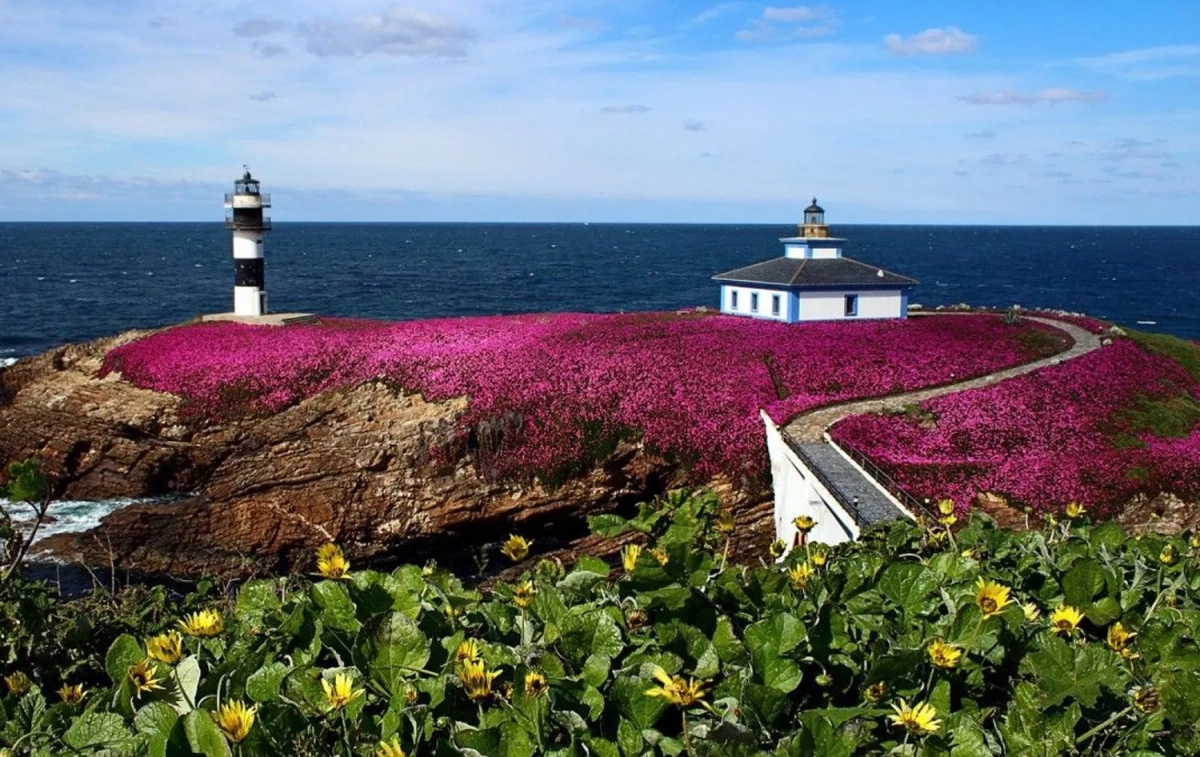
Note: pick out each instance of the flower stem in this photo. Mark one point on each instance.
(687, 739)
(1103, 725)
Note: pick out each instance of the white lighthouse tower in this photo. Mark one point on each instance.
(244, 217)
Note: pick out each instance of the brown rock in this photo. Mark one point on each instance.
(370, 467)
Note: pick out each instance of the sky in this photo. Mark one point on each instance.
(1019, 112)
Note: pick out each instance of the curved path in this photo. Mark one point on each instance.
(809, 427)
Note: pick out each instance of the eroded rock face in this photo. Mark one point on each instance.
(377, 470)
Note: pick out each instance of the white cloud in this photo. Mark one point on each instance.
(936, 41)
(1005, 159)
(691, 124)
(259, 27)
(1148, 64)
(628, 108)
(782, 24)
(1050, 96)
(717, 11)
(982, 134)
(262, 97)
(798, 14)
(396, 31)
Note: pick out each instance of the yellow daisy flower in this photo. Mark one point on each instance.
(1031, 611)
(679, 691)
(992, 597)
(535, 684)
(943, 655)
(660, 554)
(804, 524)
(1146, 699)
(18, 683)
(235, 720)
(142, 676)
(1118, 638)
(477, 679)
(1167, 556)
(819, 556)
(945, 506)
(166, 647)
(467, 650)
(524, 594)
(390, 750)
(72, 694)
(920, 719)
(777, 548)
(800, 575)
(516, 548)
(725, 522)
(1065, 619)
(331, 562)
(876, 692)
(204, 624)
(341, 692)
(629, 557)
(1074, 510)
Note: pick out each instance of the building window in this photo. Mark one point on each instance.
(733, 299)
(851, 304)
(754, 302)
(774, 304)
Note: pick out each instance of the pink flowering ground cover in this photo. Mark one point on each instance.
(560, 387)
(1098, 429)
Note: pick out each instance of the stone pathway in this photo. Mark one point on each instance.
(858, 493)
(811, 426)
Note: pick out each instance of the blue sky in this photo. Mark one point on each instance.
(623, 110)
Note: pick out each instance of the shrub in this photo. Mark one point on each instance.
(1073, 639)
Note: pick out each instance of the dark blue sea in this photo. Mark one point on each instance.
(65, 282)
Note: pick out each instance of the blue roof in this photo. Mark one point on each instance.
(822, 272)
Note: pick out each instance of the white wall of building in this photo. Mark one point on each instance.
(797, 492)
(810, 250)
(745, 299)
(249, 301)
(831, 305)
(246, 245)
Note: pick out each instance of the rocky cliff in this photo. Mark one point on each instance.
(353, 466)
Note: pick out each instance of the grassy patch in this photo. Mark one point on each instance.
(1167, 418)
(1182, 351)
(1043, 343)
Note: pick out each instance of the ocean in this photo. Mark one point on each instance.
(67, 282)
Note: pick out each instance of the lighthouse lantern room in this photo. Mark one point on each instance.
(244, 217)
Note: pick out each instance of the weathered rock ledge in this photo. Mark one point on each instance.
(351, 465)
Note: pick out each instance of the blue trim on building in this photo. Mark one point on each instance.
(904, 302)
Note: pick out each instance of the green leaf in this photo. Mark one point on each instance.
(124, 652)
(1069, 672)
(595, 670)
(183, 683)
(256, 598)
(94, 730)
(337, 609)
(156, 718)
(629, 739)
(768, 640)
(1083, 582)
(263, 684)
(607, 525)
(394, 648)
(729, 648)
(203, 734)
(911, 586)
(641, 710)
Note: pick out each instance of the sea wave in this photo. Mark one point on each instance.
(7, 361)
(71, 516)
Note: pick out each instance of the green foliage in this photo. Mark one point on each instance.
(1182, 351)
(676, 652)
(1171, 417)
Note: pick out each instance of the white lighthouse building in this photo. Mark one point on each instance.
(814, 281)
(244, 217)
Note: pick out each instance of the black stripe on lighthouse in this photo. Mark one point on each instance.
(248, 272)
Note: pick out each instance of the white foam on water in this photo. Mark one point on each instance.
(71, 517)
(7, 361)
